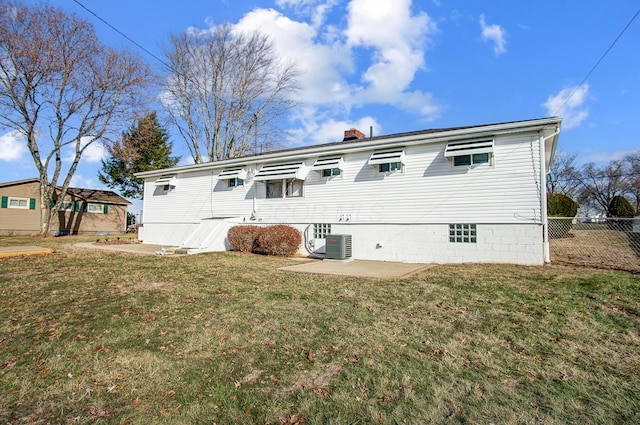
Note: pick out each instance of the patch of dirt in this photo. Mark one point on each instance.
(316, 380)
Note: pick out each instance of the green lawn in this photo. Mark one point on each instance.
(100, 337)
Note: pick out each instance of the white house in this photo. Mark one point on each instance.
(451, 195)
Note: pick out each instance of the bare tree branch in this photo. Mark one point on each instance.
(226, 91)
(58, 80)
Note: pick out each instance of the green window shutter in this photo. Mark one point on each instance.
(32, 203)
(76, 206)
(105, 209)
(52, 203)
(85, 207)
(5, 201)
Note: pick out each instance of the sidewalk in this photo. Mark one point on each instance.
(16, 251)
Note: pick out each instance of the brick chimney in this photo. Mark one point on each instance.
(353, 134)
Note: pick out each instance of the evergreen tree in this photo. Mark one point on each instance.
(145, 147)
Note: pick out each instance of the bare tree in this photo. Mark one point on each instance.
(564, 176)
(601, 184)
(62, 90)
(632, 180)
(226, 91)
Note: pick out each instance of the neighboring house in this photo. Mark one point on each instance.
(83, 210)
(452, 195)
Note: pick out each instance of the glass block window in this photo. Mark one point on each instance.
(320, 230)
(462, 233)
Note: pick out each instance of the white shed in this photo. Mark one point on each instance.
(451, 195)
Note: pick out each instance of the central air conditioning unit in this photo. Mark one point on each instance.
(338, 247)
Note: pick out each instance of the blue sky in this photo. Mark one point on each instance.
(405, 66)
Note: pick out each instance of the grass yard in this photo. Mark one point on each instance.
(101, 337)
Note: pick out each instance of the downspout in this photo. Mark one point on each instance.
(543, 195)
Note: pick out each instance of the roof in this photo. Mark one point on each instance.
(89, 195)
(96, 195)
(549, 126)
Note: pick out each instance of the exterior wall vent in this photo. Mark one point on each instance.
(338, 247)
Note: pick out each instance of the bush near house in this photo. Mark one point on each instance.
(244, 238)
(279, 239)
(559, 205)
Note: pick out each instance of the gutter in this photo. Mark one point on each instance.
(543, 188)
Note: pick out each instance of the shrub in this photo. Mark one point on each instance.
(620, 207)
(279, 239)
(559, 205)
(244, 238)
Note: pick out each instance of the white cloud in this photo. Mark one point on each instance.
(79, 181)
(12, 146)
(569, 104)
(336, 76)
(494, 33)
(95, 152)
(331, 130)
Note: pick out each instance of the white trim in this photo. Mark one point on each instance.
(288, 170)
(468, 147)
(388, 156)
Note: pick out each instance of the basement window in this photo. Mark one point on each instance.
(321, 230)
(462, 233)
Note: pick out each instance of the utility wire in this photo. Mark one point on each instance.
(141, 47)
(584, 80)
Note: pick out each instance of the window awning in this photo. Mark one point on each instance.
(165, 181)
(328, 163)
(468, 147)
(233, 173)
(289, 170)
(384, 157)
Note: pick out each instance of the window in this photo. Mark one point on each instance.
(66, 206)
(329, 166)
(469, 152)
(462, 233)
(331, 172)
(389, 166)
(474, 159)
(290, 188)
(320, 231)
(387, 161)
(95, 208)
(166, 183)
(235, 182)
(19, 203)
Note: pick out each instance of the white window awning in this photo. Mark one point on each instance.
(233, 173)
(328, 163)
(289, 170)
(469, 147)
(385, 157)
(165, 181)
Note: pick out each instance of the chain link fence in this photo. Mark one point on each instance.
(612, 243)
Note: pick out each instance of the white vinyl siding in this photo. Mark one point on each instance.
(430, 191)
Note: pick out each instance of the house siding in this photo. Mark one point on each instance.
(19, 220)
(399, 216)
(27, 220)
